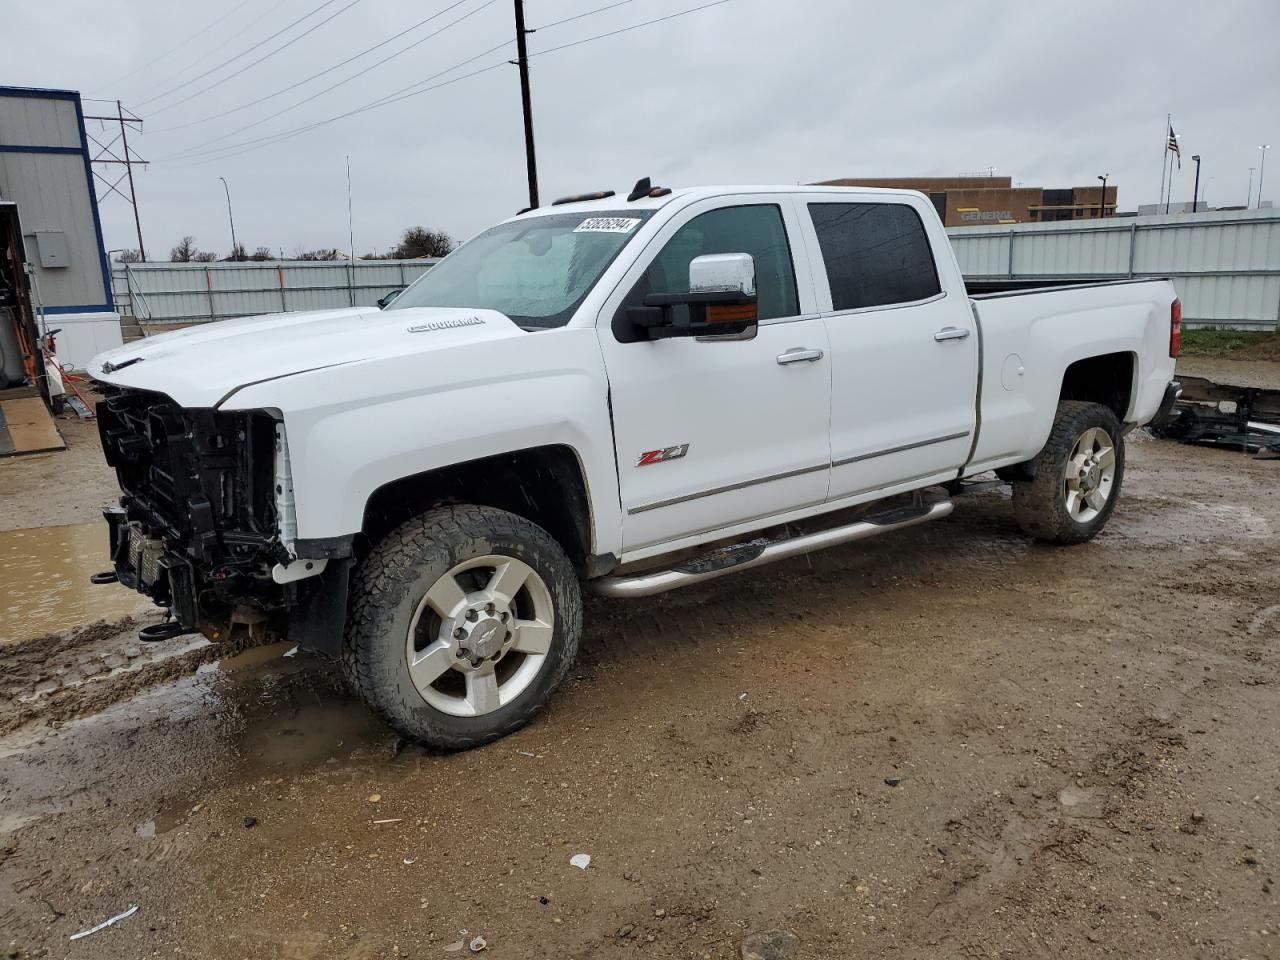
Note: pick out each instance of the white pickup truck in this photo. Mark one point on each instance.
(633, 393)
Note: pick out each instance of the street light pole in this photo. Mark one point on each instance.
(230, 219)
(1102, 204)
(1262, 170)
(1195, 191)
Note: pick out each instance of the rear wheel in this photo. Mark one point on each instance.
(1077, 476)
(463, 622)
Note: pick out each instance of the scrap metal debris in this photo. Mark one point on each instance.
(1226, 415)
(580, 860)
(105, 923)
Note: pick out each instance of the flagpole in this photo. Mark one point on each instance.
(1164, 157)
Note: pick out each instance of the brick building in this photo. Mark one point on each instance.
(983, 201)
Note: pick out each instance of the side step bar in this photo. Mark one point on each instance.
(756, 553)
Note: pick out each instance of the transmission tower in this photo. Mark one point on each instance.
(111, 156)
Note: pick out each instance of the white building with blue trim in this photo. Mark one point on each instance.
(45, 168)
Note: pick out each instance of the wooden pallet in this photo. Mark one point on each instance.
(27, 427)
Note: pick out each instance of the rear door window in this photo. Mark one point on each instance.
(876, 254)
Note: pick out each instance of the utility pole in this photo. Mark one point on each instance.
(1248, 197)
(1262, 170)
(522, 52)
(234, 246)
(351, 229)
(1195, 191)
(107, 156)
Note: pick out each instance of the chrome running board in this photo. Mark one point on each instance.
(756, 553)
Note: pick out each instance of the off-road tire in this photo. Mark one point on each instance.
(1039, 505)
(386, 588)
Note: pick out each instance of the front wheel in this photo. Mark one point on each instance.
(463, 622)
(1077, 476)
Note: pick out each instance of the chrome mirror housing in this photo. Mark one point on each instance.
(723, 273)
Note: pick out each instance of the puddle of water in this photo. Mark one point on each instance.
(1181, 520)
(292, 718)
(329, 729)
(44, 581)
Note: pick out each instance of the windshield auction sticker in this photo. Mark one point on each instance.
(607, 225)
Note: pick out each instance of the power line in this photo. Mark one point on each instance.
(579, 16)
(634, 26)
(242, 53)
(230, 38)
(340, 83)
(405, 93)
(315, 76)
(180, 44)
(265, 56)
(393, 97)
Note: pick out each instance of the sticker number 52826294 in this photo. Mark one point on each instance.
(607, 225)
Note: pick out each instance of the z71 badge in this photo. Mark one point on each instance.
(662, 456)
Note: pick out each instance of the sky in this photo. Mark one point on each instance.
(745, 91)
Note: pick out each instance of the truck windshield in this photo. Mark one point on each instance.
(536, 271)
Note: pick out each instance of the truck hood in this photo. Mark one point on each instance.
(203, 365)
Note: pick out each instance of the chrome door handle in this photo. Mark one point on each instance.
(799, 355)
(951, 333)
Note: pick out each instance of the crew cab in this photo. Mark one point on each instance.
(632, 393)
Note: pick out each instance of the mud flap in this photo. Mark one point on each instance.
(317, 622)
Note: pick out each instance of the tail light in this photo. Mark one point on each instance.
(1175, 328)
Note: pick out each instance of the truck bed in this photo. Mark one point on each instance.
(1028, 333)
(989, 289)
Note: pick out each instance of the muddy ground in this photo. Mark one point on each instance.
(949, 743)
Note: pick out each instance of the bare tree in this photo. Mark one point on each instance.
(262, 253)
(204, 256)
(129, 256)
(330, 253)
(238, 253)
(419, 242)
(185, 251)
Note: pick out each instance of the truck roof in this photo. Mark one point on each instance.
(619, 201)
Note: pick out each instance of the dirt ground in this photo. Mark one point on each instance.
(948, 743)
(64, 487)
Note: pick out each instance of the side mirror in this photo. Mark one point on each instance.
(721, 301)
(384, 302)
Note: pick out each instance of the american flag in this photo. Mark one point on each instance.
(1172, 144)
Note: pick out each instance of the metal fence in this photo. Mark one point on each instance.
(179, 293)
(1224, 264)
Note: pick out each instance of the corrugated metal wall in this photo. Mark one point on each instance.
(194, 292)
(43, 166)
(1225, 264)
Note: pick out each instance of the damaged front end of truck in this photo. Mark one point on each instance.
(205, 524)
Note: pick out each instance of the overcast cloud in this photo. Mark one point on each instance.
(749, 91)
